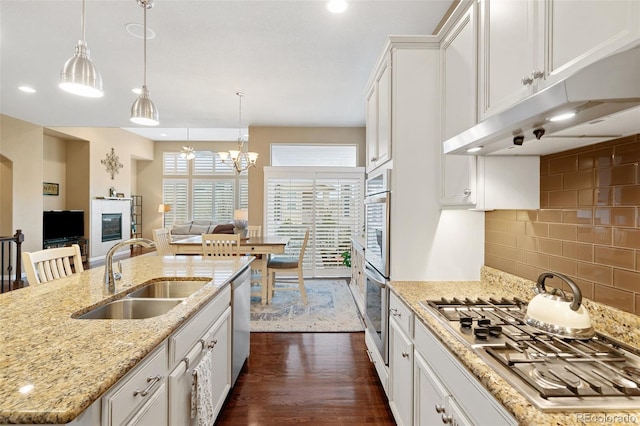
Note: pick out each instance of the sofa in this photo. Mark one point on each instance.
(199, 227)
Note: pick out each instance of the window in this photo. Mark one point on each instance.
(314, 155)
(328, 201)
(208, 190)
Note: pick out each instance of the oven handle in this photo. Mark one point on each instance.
(375, 277)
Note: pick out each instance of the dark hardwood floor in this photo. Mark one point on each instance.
(313, 378)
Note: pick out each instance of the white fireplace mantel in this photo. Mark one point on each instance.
(99, 249)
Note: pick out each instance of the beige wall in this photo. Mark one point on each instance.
(588, 226)
(22, 145)
(55, 171)
(261, 138)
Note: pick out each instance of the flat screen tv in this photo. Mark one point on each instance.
(62, 224)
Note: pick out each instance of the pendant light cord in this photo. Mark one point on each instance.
(144, 6)
(82, 17)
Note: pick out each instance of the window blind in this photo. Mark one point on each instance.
(175, 193)
(329, 203)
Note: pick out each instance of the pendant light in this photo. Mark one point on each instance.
(143, 111)
(241, 160)
(79, 76)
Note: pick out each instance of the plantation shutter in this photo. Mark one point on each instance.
(202, 196)
(204, 163)
(223, 200)
(173, 164)
(329, 203)
(175, 193)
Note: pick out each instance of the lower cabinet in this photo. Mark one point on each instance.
(180, 379)
(158, 390)
(427, 385)
(400, 374)
(356, 284)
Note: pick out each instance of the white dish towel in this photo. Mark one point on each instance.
(201, 397)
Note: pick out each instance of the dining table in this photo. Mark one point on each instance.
(261, 247)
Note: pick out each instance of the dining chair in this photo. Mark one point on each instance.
(162, 238)
(287, 263)
(50, 264)
(254, 231)
(220, 245)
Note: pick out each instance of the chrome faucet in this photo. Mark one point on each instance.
(110, 276)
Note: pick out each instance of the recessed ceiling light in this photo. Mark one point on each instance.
(337, 6)
(137, 90)
(137, 30)
(27, 89)
(474, 149)
(562, 116)
(163, 134)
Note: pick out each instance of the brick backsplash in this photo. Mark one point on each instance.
(588, 225)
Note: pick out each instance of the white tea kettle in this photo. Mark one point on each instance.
(555, 314)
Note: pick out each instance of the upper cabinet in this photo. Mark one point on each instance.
(458, 87)
(379, 117)
(525, 46)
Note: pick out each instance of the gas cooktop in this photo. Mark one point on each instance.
(554, 374)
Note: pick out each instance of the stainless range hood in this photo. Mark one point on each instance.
(598, 91)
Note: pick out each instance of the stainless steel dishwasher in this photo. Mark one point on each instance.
(240, 305)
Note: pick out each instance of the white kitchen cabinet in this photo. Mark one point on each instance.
(356, 284)
(400, 362)
(526, 46)
(459, 112)
(379, 117)
(130, 397)
(458, 395)
(154, 412)
(433, 404)
(376, 359)
(180, 379)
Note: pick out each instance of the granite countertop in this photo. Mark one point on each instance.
(617, 324)
(53, 367)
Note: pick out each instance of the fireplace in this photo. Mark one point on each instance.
(111, 226)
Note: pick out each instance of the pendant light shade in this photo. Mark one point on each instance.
(143, 110)
(79, 76)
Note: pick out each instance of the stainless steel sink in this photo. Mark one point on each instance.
(169, 289)
(132, 309)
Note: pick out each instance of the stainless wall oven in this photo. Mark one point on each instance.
(376, 208)
(376, 295)
(376, 310)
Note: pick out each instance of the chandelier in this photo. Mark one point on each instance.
(188, 153)
(241, 160)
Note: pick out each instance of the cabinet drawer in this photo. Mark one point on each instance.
(401, 314)
(135, 388)
(184, 339)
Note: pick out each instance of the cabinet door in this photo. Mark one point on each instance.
(384, 113)
(430, 395)
(357, 275)
(372, 127)
(509, 50)
(459, 180)
(219, 341)
(154, 412)
(400, 375)
(582, 32)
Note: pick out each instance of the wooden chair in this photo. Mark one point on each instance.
(286, 263)
(50, 264)
(220, 245)
(162, 238)
(254, 231)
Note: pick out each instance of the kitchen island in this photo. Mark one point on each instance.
(619, 325)
(53, 367)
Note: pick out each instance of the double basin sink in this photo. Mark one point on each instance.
(157, 297)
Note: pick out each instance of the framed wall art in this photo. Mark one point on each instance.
(49, 188)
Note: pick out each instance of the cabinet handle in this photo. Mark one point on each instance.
(212, 344)
(467, 192)
(370, 357)
(526, 80)
(405, 355)
(372, 159)
(152, 382)
(395, 312)
(537, 74)
(447, 418)
(440, 408)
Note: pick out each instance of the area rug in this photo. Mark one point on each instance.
(330, 308)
